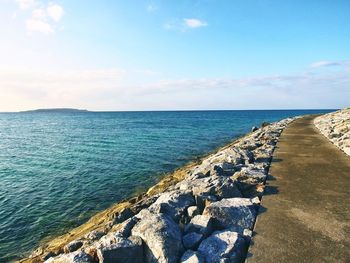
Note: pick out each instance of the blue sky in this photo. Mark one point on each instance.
(154, 55)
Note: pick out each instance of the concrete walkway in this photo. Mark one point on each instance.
(305, 213)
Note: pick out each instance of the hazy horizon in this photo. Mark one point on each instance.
(156, 55)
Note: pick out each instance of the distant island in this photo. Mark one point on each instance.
(57, 110)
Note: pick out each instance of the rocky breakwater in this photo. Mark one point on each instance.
(336, 127)
(207, 216)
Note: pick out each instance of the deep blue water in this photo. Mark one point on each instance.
(58, 169)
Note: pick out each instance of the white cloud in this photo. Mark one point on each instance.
(25, 4)
(39, 13)
(324, 63)
(55, 11)
(42, 17)
(115, 89)
(194, 23)
(38, 25)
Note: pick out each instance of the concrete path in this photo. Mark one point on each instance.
(305, 213)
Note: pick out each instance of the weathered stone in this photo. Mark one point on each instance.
(221, 187)
(192, 211)
(254, 128)
(83, 257)
(162, 237)
(174, 204)
(63, 258)
(95, 234)
(223, 246)
(191, 256)
(202, 200)
(201, 224)
(124, 250)
(143, 202)
(124, 229)
(122, 215)
(73, 246)
(232, 212)
(191, 240)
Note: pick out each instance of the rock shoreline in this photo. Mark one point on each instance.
(336, 127)
(204, 212)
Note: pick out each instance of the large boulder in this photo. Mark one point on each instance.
(192, 240)
(192, 257)
(223, 246)
(83, 257)
(233, 212)
(201, 224)
(73, 246)
(123, 250)
(219, 186)
(174, 204)
(161, 235)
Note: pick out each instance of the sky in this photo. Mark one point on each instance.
(174, 55)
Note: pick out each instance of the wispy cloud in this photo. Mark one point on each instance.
(325, 63)
(38, 25)
(194, 23)
(25, 4)
(115, 89)
(43, 16)
(55, 11)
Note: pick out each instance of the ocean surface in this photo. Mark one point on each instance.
(58, 169)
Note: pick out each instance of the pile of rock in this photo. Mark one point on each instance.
(336, 127)
(207, 217)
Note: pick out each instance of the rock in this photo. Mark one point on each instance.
(203, 200)
(95, 234)
(191, 240)
(233, 212)
(223, 246)
(192, 257)
(48, 255)
(250, 181)
(63, 258)
(174, 204)
(124, 250)
(143, 202)
(192, 211)
(124, 229)
(122, 215)
(83, 257)
(73, 246)
(264, 124)
(162, 237)
(254, 128)
(201, 224)
(221, 187)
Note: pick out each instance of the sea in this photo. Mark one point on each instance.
(57, 169)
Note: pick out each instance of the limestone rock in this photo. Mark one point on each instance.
(174, 203)
(95, 234)
(162, 237)
(233, 212)
(192, 257)
(223, 246)
(73, 246)
(124, 250)
(192, 211)
(201, 224)
(191, 240)
(83, 257)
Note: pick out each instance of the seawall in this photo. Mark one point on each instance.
(201, 206)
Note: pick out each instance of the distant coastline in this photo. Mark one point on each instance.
(55, 110)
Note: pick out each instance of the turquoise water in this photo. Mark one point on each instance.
(58, 169)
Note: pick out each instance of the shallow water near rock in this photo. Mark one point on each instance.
(58, 169)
